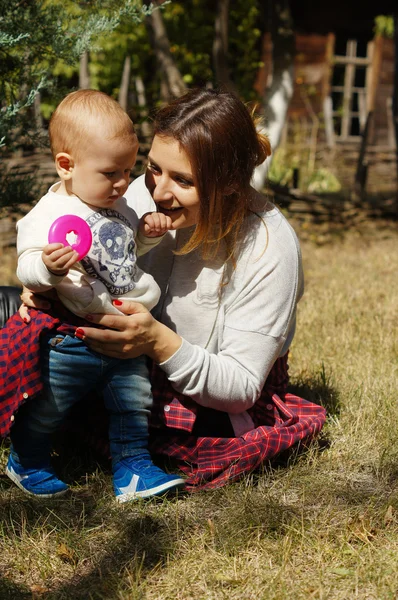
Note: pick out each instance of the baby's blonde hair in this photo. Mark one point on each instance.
(80, 115)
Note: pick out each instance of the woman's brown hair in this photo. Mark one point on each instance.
(219, 136)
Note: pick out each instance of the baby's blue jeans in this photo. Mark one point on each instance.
(70, 370)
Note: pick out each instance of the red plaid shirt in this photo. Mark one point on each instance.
(281, 419)
(20, 359)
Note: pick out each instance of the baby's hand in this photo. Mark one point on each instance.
(155, 224)
(59, 258)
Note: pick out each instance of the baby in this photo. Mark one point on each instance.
(94, 146)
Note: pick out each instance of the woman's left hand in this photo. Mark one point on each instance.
(130, 335)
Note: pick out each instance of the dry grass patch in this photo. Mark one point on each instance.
(321, 522)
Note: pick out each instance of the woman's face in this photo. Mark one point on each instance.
(170, 182)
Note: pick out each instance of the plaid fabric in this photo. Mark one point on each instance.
(281, 420)
(19, 358)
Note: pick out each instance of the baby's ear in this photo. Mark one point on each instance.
(64, 164)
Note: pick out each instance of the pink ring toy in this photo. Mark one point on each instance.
(65, 228)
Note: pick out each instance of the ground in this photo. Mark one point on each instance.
(322, 522)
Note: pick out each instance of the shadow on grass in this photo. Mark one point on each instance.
(291, 457)
(317, 387)
(140, 545)
(12, 591)
(134, 538)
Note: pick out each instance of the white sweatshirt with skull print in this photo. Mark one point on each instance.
(107, 272)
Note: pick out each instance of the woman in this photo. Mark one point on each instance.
(231, 276)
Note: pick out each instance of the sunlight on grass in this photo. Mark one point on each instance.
(320, 522)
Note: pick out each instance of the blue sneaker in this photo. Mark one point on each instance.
(137, 477)
(42, 483)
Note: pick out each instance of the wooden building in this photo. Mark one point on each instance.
(341, 83)
(341, 110)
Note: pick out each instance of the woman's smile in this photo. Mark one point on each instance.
(169, 209)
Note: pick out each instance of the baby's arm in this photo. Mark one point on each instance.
(151, 230)
(154, 224)
(40, 269)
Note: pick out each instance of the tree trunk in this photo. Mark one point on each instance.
(141, 100)
(220, 45)
(173, 84)
(38, 115)
(37, 111)
(125, 83)
(280, 92)
(84, 75)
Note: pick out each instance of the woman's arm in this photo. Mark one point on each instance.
(131, 335)
(230, 380)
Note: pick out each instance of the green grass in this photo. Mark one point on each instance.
(321, 522)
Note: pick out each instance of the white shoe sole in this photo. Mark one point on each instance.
(14, 477)
(156, 491)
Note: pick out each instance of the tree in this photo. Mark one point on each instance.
(280, 92)
(220, 45)
(34, 37)
(84, 75)
(27, 58)
(172, 84)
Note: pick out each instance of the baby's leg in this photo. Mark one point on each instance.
(128, 398)
(69, 370)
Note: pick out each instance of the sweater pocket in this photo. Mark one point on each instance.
(208, 287)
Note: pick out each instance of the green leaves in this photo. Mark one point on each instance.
(37, 36)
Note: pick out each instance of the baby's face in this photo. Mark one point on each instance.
(103, 174)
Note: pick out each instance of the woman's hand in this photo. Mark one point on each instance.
(130, 335)
(32, 300)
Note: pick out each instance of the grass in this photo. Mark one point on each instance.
(321, 522)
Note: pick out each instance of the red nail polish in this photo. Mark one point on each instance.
(79, 333)
(25, 320)
(117, 302)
